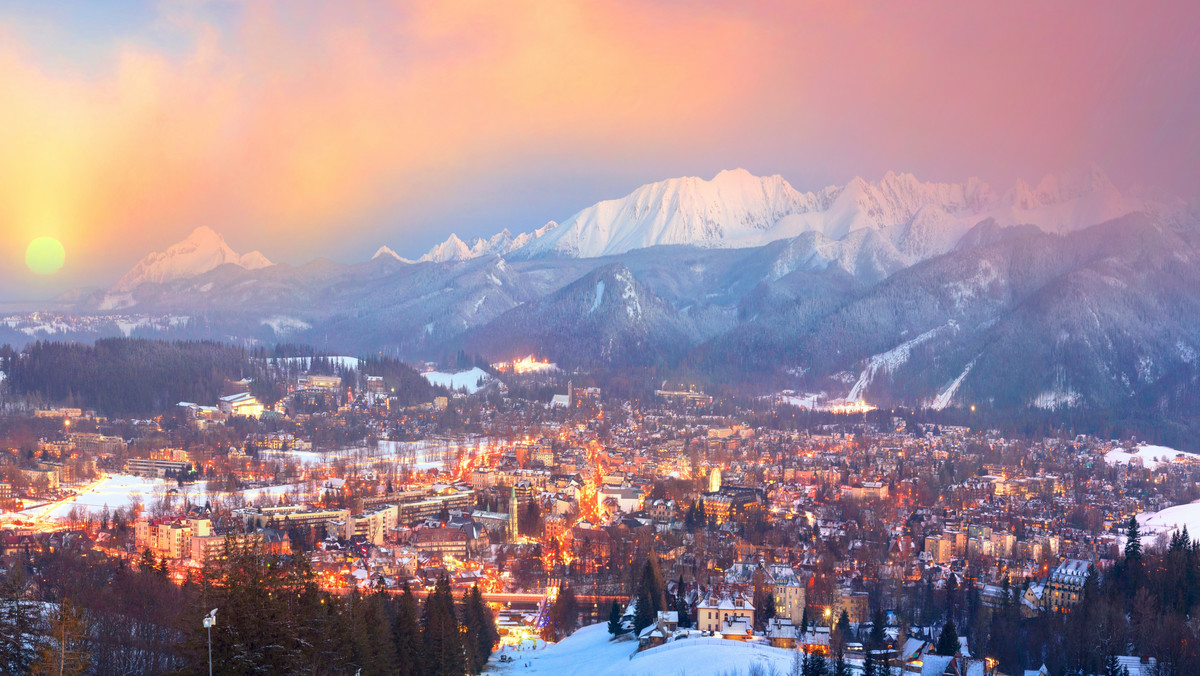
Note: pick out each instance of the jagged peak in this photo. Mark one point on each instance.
(387, 252)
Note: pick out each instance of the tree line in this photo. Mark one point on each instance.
(108, 616)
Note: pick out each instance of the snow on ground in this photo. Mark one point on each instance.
(807, 400)
(424, 454)
(455, 381)
(115, 491)
(893, 359)
(590, 652)
(1170, 520)
(347, 363)
(282, 325)
(1150, 457)
(1057, 398)
(946, 396)
(599, 296)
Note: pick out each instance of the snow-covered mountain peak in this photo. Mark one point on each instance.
(201, 251)
(386, 252)
(453, 249)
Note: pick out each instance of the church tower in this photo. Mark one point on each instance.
(512, 514)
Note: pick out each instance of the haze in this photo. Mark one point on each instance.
(304, 130)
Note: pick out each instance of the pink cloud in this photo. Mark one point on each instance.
(302, 120)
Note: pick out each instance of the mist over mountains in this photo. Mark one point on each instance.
(1067, 294)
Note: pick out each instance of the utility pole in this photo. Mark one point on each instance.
(209, 620)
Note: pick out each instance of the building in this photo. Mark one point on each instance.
(441, 541)
(729, 503)
(781, 633)
(1065, 587)
(209, 548)
(170, 538)
(375, 393)
(319, 382)
(713, 613)
(854, 604)
(940, 549)
(373, 525)
(288, 516)
(155, 467)
(243, 404)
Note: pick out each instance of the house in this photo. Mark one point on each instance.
(655, 634)
(737, 628)
(713, 613)
(669, 619)
(781, 633)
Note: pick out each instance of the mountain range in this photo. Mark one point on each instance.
(897, 292)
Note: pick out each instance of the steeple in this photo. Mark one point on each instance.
(512, 513)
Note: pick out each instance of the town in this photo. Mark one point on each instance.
(865, 537)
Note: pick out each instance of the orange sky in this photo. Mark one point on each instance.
(302, 129)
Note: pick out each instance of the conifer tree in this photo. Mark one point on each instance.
(643, 615)
(481, 635)
(614, 619)
(18, 623)
(564, 614)
(442, 639)
(947, 643)
(406, 634)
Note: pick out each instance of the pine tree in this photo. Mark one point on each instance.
(18, 624)
(564, 614)
(406, 634)
(643, 615)
(814, 665)
(840, 634)
(1133, 543)
(947, 643)
(1113, 668)
(614, 619)
(870, 666)
(481, 635)
(442, 639)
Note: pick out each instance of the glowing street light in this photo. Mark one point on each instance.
(209, 620)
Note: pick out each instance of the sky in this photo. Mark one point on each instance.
(307, 129)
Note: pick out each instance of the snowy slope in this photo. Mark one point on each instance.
(735, 208)
(590, 651)
(1170, 520)
(1150, 457)
(917, 219)
(456, 381)
(202, 251)
(385, 252)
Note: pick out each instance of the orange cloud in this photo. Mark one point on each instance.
(298, 122)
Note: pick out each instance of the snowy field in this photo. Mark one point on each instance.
(1151, 457)
(424, 454)
(116, 490)
(1170, 520)
(589, 652)
(456, 381)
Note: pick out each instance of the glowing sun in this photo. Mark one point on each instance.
(45, 255)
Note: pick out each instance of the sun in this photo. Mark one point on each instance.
(45, 255)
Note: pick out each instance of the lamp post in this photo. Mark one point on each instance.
(209, 620)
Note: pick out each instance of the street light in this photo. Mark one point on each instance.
(209, 620)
